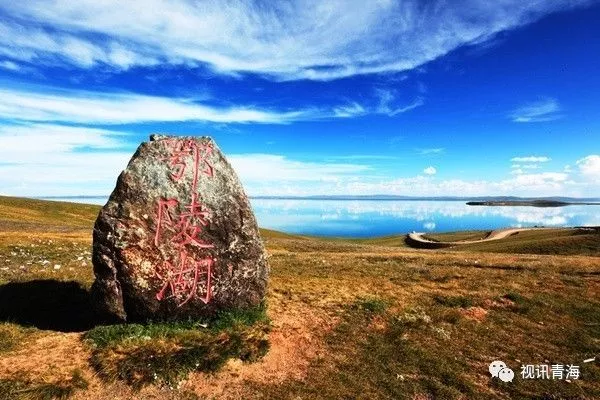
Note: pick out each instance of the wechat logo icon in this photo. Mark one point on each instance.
(498, 369)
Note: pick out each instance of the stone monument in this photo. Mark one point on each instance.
(177, 238)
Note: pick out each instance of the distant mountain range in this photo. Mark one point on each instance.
(438, 198)
(533, 203)
(486, 200)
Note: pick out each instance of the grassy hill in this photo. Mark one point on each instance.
(568, 241)
(366, 318)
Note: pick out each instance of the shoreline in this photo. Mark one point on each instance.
(418, 239)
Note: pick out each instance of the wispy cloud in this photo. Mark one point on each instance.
(301, 39)
(293, 177)
(121, 108)
(384, 102)
(49, 159)
(540, 184)
(44, 104)
(266, 174)
(25, 142)
(531, 159)
(388, 103)
(349, 110)
(275, 168)
(54, 46)
(538, 111)
(364, 157)
(9, 65)
(543, 184)
(526, 166)
(431, 151)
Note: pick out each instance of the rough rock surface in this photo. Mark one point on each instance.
(177, 238)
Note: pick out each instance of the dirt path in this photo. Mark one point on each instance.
(417, 237)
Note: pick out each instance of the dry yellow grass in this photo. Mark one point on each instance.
(351, 319)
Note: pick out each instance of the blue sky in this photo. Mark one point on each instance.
(307, 97)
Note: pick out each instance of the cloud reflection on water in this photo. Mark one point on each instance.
(370, 218)
(363, 218)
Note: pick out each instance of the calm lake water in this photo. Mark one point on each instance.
(366, 218)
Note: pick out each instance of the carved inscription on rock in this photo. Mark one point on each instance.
(185, 275)
(177, 237)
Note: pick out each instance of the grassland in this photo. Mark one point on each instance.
(569, 241)
(350, 319)
(457, 236)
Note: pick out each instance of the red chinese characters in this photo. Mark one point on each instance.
(182, 281)
(184, 277)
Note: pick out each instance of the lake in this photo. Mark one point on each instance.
(367, 218)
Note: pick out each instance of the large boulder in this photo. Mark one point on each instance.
(177, 238)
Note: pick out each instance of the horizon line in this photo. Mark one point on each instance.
(349, 196)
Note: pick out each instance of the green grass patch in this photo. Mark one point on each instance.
(165, 352)
(515, 297)
(370, 305)
(454, 301)
(522, 304)
(457, 236)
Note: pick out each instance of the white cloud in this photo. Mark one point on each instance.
(269, 168)
(9, 65)
(45, 159)
(531, 159)
(418, 102)
(269, 174)
(518, 168)
(363, 157)
(361, 183)
(430, 170)
(300, 39)
(541, 178)
(45, 104)
(120, 108)
(538, 111)
(24, 143)
(50, 159)
(349, 110)
(388, 103)
(436, 150)
(37, 45)
(53, 105)
(590, 167)
(543, 184)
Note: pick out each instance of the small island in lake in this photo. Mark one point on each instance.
(532, 203)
